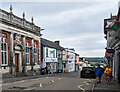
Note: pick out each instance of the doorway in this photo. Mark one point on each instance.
(16, 62)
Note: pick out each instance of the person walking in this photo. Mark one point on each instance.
(108, 74)
(48, 70)
(99, 71)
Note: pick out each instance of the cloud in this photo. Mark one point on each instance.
(76, 25)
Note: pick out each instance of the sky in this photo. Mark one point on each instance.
(77, 25)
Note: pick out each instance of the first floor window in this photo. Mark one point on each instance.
(4, 54)
(46, 52)
(27, 55)
(35, 55)
(53, 53)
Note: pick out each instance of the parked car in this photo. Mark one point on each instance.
(87, 72)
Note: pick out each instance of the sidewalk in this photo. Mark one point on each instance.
(113, 86)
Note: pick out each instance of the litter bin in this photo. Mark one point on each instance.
(42, 72)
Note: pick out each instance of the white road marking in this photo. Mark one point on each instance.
(22, 81)
(52, 81)
(46, 77)
(40, 85)
(86, 83)
(30, 88)
(80, 87)
(59, 78)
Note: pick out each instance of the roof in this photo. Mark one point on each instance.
(48, 43)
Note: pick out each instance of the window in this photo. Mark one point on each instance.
(27, 55)
(46, 52)
(60, 55)
(53, 53)
(35, 55)
(4, 54)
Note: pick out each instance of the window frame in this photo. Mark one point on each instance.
(3, 51)
(35, 54)
(27, 54)
(46, 52)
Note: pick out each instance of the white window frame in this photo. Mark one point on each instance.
(4, 54)
(35, 54)
(27, 54)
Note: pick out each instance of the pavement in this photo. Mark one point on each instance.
(113, 86)
(7, 80)
(62, 81)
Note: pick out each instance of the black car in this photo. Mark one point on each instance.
(87, 72)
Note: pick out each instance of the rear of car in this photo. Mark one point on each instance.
(87, 72)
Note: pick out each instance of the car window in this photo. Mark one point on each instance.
(88, 68)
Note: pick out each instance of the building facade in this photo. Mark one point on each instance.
(113, 44)
(20, 44)
(51, 54)
(77, 62)
(70, 65)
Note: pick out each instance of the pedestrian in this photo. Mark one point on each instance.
(51, 70)
(99, 71)
(108, 74)
(46, 69)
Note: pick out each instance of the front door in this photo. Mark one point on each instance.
(16, 62)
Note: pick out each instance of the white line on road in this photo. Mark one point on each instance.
(40, 85)
(30, 88)
(52, 81)
(79, 86)
(86, 83)
(59, 78)
(22, 81)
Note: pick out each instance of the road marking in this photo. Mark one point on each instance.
(52, 81)
(22, 81)
(59, 78)
(29, 88)
(46, 77)
(40, 85)
(86, 83)
(80, 87)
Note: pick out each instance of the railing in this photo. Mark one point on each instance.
(5, 15)
(17, 20)
(11, 18)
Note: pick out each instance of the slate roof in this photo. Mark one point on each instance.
(48, 43)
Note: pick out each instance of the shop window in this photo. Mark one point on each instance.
(4, 54)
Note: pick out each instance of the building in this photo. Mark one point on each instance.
(77, 62)
(20, 44)
(69, 64)
(59, 56)
(51, 54)
(112, 32)
(65, 60)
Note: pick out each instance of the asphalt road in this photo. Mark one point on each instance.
(63, 81)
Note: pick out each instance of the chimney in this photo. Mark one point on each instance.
(57, 42)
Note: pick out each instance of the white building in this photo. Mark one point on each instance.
(70, 56)
(49, 54)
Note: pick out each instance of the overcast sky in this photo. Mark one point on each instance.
(77, 25)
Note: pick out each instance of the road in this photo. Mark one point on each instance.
(63, 81)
